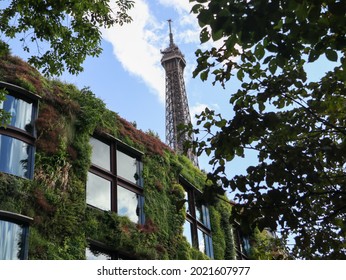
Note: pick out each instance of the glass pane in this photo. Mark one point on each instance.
(186, 197)
(21, 112)
(96, 255)
(14, 156)
(199, 213)
(98, 192)
(10, 240)
(127, 167)
(100, 154)
(128, 204)
(201, 241)
(202, 215)
(187, 232)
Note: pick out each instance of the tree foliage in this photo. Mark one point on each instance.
(68, 29)
(295, 124)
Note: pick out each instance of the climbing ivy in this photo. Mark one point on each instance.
(63, 224)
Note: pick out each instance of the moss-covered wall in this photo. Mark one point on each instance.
(55, 198)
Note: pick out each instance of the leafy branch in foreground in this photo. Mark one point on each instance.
(68, 29)
(296, 124)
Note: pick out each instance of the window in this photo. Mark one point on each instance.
(196, 228)
(14, 234)
(242, 243)
(99, 251)
(17, 139)
(114, 179)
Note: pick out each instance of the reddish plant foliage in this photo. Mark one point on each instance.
(152, 144)
(18, 72)
(73, 154)
(42, 201)
(159, 186)
(49, 130)
(60, 100)
(148, 227)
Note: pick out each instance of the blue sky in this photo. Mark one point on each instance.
(128, 75)
(129, 78)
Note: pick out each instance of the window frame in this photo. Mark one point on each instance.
(196, 224)
(116, 180)
(240, 240)
(24, 222)
(20, 134)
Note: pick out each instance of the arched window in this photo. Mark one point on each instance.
(14, 235)
(17, 137)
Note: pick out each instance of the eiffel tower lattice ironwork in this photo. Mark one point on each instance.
(177, 108)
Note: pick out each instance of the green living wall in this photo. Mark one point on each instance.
(55, 198)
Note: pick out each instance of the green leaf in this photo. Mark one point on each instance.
(240, 75)
(313, 55)
(331, 55)
(272, 66)
(259, 51)
(196, 8)
(314, 13)
(204, 75)
(204, 35)
(217, 35)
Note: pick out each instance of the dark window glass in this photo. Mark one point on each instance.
(10, 241)
(127, 167)
(98, 192)
(14, 156)
(197, 224)
(21, 112)
(100, 154)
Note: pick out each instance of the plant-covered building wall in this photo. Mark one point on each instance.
(77, 181)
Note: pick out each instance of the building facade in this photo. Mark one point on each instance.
(79, 182)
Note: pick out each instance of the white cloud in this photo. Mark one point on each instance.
(136, 46)
(179, 5)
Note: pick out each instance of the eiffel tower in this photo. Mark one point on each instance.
(177, 108)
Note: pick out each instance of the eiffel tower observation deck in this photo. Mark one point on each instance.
(177, 108)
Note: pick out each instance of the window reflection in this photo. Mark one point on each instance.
(197, 228)
(186, 197)
(96, 255)
(127, 167)
(202, 215)
(187, 232)
(113, 182)
(201, 241)
(21, 112)
(98, 192)
(128, 204)
(100, 153)
(199, 213)
(10, 240)
(14, 155)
